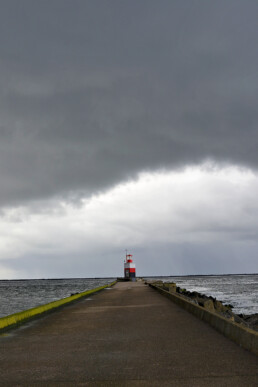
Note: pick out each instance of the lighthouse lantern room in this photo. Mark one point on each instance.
(129, 267)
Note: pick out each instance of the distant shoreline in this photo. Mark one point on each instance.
(196, 275)
(141, 276)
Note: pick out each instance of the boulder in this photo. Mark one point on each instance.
(170, 287)
(220, 307)
(157, 283)
(208, 304)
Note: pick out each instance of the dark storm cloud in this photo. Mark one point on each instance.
(91, 92)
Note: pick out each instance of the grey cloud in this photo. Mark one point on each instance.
(94, 92)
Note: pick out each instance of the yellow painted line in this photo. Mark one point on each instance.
(17, 318)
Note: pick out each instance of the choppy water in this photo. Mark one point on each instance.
(18, 295)
(241, 291)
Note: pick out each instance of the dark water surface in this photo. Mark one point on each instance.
(18, 295)
(239, 290)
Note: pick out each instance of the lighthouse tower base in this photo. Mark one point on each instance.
(123, 279)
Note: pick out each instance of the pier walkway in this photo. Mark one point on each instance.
(129, 335)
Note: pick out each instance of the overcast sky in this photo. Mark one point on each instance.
(128, 125)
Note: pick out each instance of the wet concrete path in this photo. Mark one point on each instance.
(129, 335)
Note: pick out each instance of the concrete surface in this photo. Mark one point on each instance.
(129, 335)
(245, 337)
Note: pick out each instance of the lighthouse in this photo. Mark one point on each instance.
(129, 267)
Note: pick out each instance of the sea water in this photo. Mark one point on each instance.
(241, 291)
(18, 295)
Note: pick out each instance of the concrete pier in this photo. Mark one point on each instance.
(129, 335)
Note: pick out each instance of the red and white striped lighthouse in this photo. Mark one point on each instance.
(129, 267)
